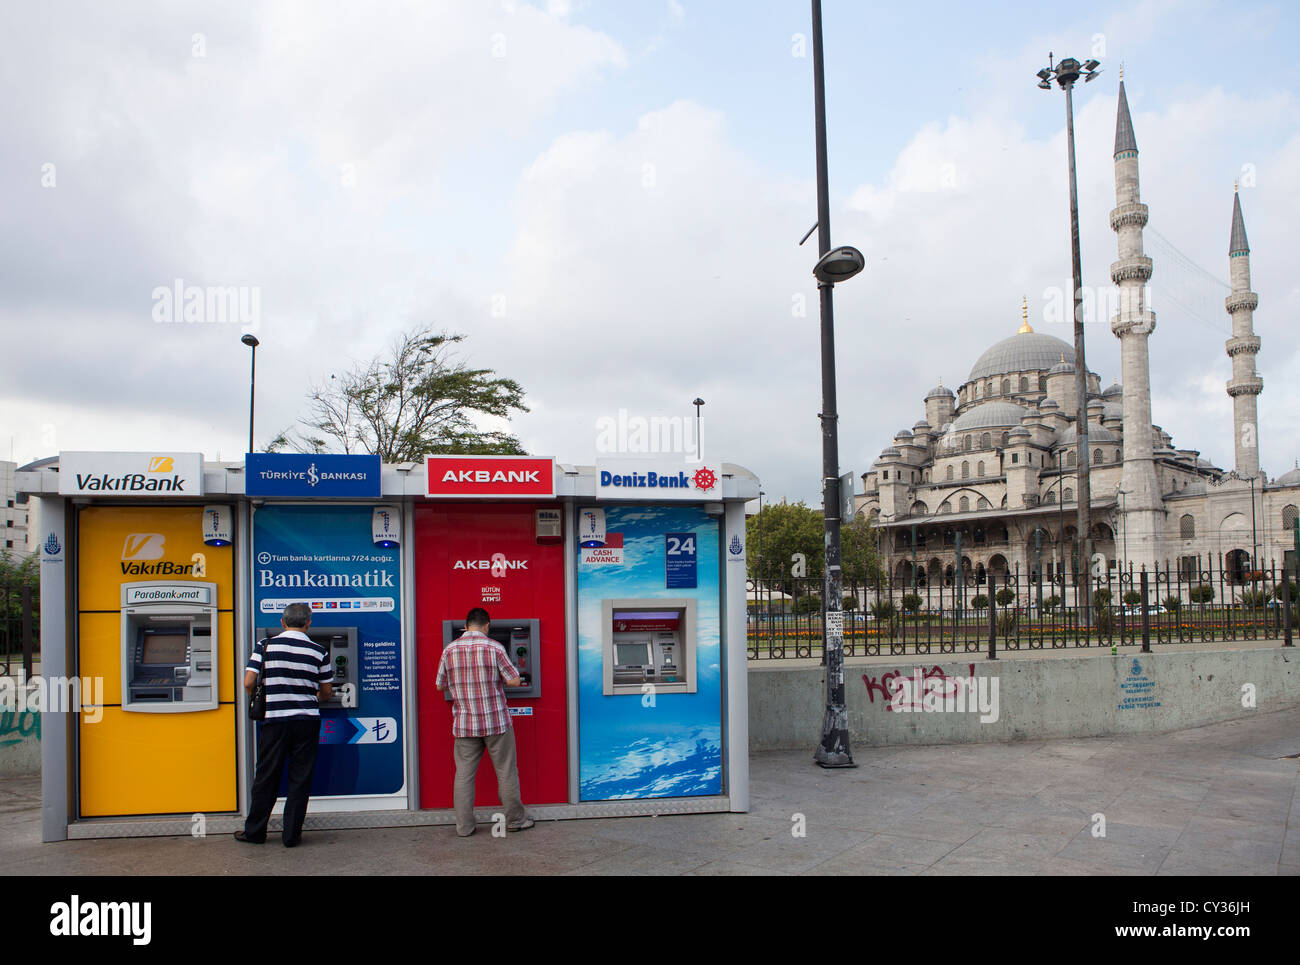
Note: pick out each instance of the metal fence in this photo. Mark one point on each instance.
(1014, 610)
(20, 624)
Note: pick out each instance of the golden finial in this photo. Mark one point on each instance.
(1121, 70)
(1234, 185)
(1024, 315)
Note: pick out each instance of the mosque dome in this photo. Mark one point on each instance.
(1022, 352)
(1096, 434)
(939, 391)
(990, 415)
(1291, 478)
(1113, 392)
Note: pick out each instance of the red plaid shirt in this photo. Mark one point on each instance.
(474, 669)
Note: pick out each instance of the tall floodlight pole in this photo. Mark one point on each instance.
(832, 266)
(1066, 73)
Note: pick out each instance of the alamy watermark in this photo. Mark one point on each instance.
(625, 433)
(55, 695)
(214, 304)
(922, 693)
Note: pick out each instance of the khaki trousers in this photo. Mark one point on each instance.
(468, 753)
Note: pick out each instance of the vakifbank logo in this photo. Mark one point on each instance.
(161, 464)
(143, 546)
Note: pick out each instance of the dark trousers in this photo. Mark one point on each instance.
(297, 740)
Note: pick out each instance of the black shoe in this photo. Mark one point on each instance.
(294, 843)
(242, 837)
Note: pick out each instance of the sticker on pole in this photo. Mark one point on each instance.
(835, 623)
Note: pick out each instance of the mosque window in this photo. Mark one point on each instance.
(965, 443)
(1070, 459)
(1289, 514)
(949, 476)
(965, 470)
(1006, 386)
(965, 504)
(979, 468)
(1004, 438)
(1051, 498)
(946, 508)
(1096, 456)
(985, 441)
(1015, 457)
(1024, 384)
(983, 504)
(1187, 527)
(885, 474)
(977, 391)
(1069, 495)
(1042, 383)
(1117, 455)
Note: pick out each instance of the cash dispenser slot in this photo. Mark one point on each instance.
(520, 639)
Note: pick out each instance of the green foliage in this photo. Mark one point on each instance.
(1172, 603)
(1289, 588)
(882, 609)
(15, 572)
(1132, 598)
(850, 602)
(1201, 594)
(979, 601)
(810, 603)
(784, 529)
(1254, 599)
(1101, 597)
(1050, 603)
(1005, 596)
(414, 401)
(1007, 623)
(911, 602)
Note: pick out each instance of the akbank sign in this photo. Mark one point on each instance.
(317, 476)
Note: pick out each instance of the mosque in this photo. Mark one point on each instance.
(996, 463)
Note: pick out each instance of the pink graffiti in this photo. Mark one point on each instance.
(933, 681)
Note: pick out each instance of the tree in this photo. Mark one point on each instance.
(911, 602)
(1005, 596)
(1132, 598)
(414, 401)
(789, 528)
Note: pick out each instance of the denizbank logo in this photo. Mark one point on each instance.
(637, 478)
(131, 473)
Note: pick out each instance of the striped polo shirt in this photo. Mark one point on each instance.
(296, 666)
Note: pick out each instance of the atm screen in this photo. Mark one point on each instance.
(632, 654)
(164, 648)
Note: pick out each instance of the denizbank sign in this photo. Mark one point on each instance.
(317, 476)
(149, 474)
(654, 480)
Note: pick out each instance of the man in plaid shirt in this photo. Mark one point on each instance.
(476, 670)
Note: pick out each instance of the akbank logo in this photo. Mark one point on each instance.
(161, 464)
(144, 546)
(52, 545)
(312, 477)
(735, 547)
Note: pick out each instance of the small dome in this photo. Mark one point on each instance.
(1114, 392)
(889, 452)
(1061, 368)
(1291, 478)
(1096, 405)
(1022, 352)
(1048, 405)
(1113, 411)
(903, 434)
(920, 425)
(1095, 434)
(1018, 432)
(939, 391)
(989, 415)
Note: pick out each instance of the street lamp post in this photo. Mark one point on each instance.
(697, 402)
(1066, 73)
(252, 342)
(835, 265)
(1123, 518)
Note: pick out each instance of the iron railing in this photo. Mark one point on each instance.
(1013, 610)
(20, 625)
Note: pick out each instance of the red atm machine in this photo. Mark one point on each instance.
(509, 559)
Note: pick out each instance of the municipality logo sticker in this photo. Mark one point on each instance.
(52, 545)
(735, 547)
(1135, 669)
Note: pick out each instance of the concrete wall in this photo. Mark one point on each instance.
(20, 742)
(1087, 696)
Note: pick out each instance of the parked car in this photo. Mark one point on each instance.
(1136, 611)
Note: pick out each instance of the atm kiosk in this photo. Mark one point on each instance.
(519, 639)
(341, 643)
(169, 646)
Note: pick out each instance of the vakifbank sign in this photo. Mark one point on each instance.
(332, 476)
(149, 474)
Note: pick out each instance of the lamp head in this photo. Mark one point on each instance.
(839, 264)
(251, 341)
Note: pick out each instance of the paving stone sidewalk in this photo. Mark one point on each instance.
(1215, 800)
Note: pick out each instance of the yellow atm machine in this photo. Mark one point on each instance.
(155, 622)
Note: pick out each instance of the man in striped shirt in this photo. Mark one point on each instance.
(298, 673)
(475, 669)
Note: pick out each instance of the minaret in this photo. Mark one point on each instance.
(1143, 517)
(1245, 384)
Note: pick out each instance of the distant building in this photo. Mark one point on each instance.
(14, 516)
(997, 461)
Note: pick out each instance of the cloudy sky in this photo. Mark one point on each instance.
(607, 198)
